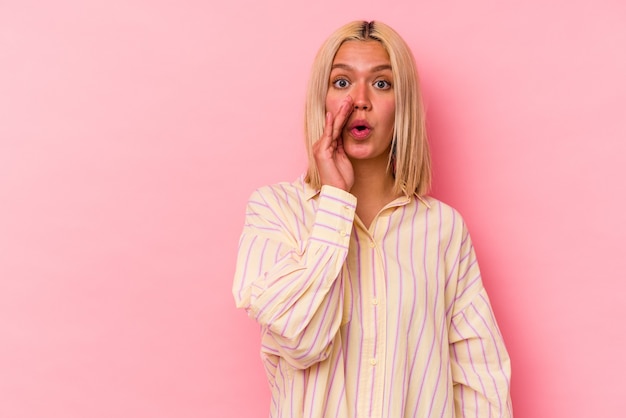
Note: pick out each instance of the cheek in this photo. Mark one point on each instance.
(390, 113)
(332, 104)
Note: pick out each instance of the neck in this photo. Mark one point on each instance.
(373, 188)
(372, 181)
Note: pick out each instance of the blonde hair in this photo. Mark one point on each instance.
(410, 156)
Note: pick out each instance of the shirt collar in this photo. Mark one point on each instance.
(420, 198)
(310, 193)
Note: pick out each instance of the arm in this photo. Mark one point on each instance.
(291, 287)
(480, 364)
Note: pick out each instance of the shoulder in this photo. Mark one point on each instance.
(436, 207)
(281, 192)
(280, 198)
(441, 214)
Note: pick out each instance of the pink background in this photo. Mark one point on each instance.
(132, 133)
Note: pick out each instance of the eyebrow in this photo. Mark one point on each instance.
(374, 69)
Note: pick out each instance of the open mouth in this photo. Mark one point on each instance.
(360, 131)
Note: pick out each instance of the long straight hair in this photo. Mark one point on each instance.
(409, 158)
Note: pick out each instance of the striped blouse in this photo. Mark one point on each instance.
(390, 321)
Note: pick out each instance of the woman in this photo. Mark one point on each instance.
(367, 290)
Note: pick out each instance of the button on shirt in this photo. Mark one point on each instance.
(390, 321)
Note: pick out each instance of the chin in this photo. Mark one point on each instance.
(358, 155)
(365, 153)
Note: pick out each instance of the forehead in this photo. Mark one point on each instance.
(354, 52)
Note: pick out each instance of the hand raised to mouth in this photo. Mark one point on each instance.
(333, 165)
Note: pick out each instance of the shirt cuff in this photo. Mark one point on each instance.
(334, 217)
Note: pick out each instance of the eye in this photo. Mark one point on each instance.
(382, 84)
(341, 83)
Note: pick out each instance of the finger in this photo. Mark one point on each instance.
(327, 135)
(342, 116)
(340, 144)
(324, 141)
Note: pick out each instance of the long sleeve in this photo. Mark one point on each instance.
(479, 361)
(287, 271)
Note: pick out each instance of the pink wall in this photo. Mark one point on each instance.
(133, 131)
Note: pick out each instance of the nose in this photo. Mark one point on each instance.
(361, 98)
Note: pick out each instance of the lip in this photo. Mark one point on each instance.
(359, 122)
(359, 129)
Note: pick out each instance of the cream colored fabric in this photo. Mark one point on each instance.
(387, 322)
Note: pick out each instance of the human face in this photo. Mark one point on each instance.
(362, 70)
